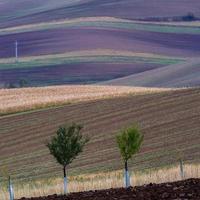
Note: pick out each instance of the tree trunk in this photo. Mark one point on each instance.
(126, 175)
(65, 180)
(10, 188)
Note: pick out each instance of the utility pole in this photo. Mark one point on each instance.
(16, 51)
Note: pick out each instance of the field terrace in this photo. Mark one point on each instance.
(169, 121)
(88, 50)
(34, 11)
(84, 34)
(79, 67)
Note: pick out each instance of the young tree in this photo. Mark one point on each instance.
(129, 141)
(66, 145)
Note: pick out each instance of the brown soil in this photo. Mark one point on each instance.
(170, 122)
(187, 189)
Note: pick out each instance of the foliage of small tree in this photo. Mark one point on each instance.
(66, 145)
(129, 141)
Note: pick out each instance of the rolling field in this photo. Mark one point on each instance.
(178, 75)
(54, 53)
(49, 31)
(62, 40)
(169, 121)
(22, 12)
(26, 99)
(79, 67)
(138, 47)
(105, 64)
(79, 73)
(191, 27)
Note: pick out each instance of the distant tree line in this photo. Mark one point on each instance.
(20, 84)
(188, 17)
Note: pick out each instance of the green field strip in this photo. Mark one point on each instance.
(39, 108)
(123, 25)
(143, 27)
(86, 59)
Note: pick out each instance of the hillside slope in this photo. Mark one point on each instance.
(178, 75)
(170, 122)
(37, 11)
(45, 97)
(91, 37)
(92, 25)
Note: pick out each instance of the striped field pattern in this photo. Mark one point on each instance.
(169, 121)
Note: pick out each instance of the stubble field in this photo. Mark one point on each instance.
(26, 99)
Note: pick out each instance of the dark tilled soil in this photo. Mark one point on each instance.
(188, 189)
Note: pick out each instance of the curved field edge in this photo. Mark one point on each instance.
(177, 75)
(88, 56)
(123, 9)
(169, 121)
(108, 22)
(29, 99)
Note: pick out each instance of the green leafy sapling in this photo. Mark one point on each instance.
(66, 146)
(129, 141)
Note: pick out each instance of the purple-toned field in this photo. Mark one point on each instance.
(178, 75)
(89, 38)
(37, 11)
(72, 73)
